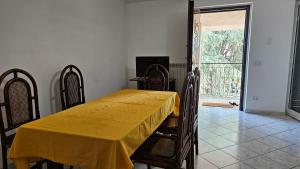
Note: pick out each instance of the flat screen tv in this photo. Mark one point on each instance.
(142, 62)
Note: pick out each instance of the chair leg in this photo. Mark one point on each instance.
(188, 161)
(39, 165)
(192, 160)
(71, 167)
(192, 157)
(148, 166)
(196, 141)
(4, 157)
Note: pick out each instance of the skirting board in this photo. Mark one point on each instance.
(264, 112)
(294, 115)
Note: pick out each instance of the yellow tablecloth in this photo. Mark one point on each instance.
(101, 134)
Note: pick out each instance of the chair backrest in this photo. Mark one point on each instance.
(20, 99)
(196, 94)
(156, 78)
(71, 87)
(185, 122)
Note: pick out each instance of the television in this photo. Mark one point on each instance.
(142, 62)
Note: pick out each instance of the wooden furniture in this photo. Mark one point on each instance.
(156, 78)
(171, 123)
(71, 87)
(140, 83)
(196, 105)
(71, 93)
(169, 151)
(101, 134)
(20, 106)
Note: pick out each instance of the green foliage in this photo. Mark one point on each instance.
(226, 47)
(222, 46)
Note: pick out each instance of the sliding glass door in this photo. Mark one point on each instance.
(293, 108)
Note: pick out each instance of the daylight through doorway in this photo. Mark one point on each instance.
(219, 40)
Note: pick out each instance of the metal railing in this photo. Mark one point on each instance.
(222, 80)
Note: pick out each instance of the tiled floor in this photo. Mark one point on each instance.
(230, 139)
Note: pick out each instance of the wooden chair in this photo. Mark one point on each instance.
(171, 123)
(20, 106)
(196, 105)
(71, 87)
(169, 151)
(156, 78)
(71, 93)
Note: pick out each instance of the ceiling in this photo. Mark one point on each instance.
(222, 20)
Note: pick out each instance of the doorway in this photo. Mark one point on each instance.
(220, 41)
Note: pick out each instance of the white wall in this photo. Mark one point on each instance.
(43, 36)
(270, 47)
(156, 28)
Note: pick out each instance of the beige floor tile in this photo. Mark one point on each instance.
(292, 149)
(239, 152)
(284, 158)
(238, 166)
(219, 158)
(274, 142)
(201, 163)
(205, 147)
(257, 147)
(219, 142)
(287, 137)
(219, 130)
(264, 163)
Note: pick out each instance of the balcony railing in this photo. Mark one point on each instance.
(220, 80)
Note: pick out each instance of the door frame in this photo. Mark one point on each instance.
(190, 35)
(296, 32)
(247, 8)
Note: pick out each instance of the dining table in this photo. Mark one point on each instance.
(100, 134)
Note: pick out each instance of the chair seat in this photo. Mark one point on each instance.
(157, 151)
(169, 126)
(171, 123)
